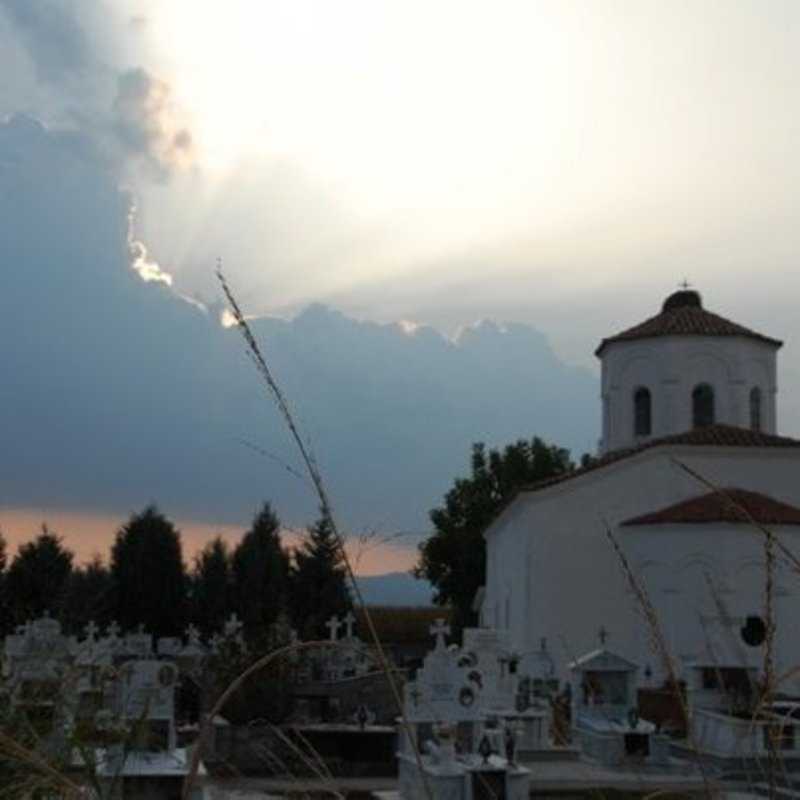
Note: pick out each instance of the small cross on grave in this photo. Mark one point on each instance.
(333, 626)
(602, 635)
(91, 631)
(233, 625)
(112, 631)
(440, 629)
(215, 641)
(349, 621)
(193, 635)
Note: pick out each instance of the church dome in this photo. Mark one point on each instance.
(685, 298)
(682, 369)
(682, 314)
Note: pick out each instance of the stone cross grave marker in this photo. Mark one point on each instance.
(333, 626)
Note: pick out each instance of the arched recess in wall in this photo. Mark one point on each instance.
(703, 405)
(642, 412)
(694, 602)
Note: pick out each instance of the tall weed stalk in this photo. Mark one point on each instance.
(276, 393)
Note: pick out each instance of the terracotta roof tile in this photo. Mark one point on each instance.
(684, 315)
(716, 507)
(710, 436)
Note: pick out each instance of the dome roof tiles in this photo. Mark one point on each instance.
(683, 315)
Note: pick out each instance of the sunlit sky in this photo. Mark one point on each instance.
(381, 155)
(563, 164)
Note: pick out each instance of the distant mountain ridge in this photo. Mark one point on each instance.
(395, 589)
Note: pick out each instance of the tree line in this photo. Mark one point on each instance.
(146, 582)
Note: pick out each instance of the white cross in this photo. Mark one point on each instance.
(193, 635)
(233, 625)
(440, 629)
(349, 621)
(215, 641)
(333, 626)
(113, 630)
(91, 631)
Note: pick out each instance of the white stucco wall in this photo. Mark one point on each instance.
(670, 367)
(551, 570)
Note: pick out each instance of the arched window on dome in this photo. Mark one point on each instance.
(642, 412)
(702, 406)
(755, 408)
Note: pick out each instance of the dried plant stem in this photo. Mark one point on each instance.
(660, 647)
(313, 762)
(237, 683)
(771, 543)
(38, 764)
(740, 509)
(316, 478)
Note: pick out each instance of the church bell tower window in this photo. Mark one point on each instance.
(702, 406)
(642, 412)
(755, 408)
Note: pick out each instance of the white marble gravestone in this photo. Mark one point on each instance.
(604, 713)
(450, 707)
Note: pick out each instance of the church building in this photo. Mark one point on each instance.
(684, 389)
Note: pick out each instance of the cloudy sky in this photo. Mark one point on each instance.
(560, 165)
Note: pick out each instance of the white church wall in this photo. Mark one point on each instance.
(671, 367)
(696, 575)
(553, 570)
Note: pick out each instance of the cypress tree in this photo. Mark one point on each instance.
(319, 581)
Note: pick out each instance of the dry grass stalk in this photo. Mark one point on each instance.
(312, 468)
(660, 647)
(311, 759)
(43, 774)
(239, 681)
(771, 543)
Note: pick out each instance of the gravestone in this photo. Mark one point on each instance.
(452, 710)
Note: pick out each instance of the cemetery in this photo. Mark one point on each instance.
(481, 720)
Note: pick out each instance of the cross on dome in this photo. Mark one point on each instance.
(684, 284)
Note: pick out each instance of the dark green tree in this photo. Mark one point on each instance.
(148, 578)
(212, 587)
(260, 574)
(5, 611)
(453, 559)
(318, 581)
(38, 576)
(88, 596)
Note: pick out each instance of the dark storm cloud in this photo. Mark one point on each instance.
(116, 393)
